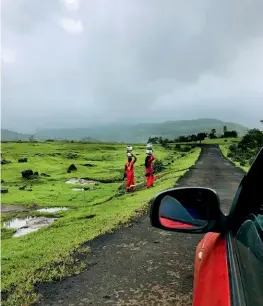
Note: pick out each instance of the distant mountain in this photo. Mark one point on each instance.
(7, 135)
(141, 132)
(12, 136)
(89, 139)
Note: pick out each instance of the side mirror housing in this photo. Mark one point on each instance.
(188, 209)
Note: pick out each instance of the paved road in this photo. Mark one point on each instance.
(141, 265)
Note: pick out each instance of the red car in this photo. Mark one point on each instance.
(229, 259)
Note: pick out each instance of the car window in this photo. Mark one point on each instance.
(249, 196)
(249, 246)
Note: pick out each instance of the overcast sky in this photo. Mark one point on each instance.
(73, 63)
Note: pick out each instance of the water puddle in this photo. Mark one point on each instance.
(78, 189)
(81, 181)
(28, 225)
(52, 209)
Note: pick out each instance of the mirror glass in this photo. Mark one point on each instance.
(185, 208)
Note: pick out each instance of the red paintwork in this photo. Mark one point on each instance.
(174, 224)
(211, 279)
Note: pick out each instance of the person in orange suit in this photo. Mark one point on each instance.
(149, 170)
(129, 172)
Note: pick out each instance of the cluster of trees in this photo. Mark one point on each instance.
(245, 151)
(194, 137)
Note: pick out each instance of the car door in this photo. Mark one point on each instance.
(246, 262)
(211, 273)
(245, 239)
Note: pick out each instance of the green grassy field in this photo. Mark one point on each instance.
(48, 254)
(221, 141)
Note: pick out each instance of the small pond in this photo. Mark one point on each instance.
(52, 209)
(81, 181)
(28, 225)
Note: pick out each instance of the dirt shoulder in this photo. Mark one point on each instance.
(11, 208)
(140, 265)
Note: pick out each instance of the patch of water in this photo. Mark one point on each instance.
(28, 225)
(52, 209)
(78, 189)
(23, 231)
(81, 181)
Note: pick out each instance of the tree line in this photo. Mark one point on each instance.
(199, 137)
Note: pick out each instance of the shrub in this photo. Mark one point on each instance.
(186, 149)
(232, 147)
(158, 166)
(230, 155)
(242, 163)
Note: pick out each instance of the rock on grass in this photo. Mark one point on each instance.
(22, 160)
(72, 167)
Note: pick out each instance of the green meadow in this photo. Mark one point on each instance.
(49, 254)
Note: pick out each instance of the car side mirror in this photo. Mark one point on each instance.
(189, 209)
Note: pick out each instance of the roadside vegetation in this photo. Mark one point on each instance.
(244, 152)
(53, 252)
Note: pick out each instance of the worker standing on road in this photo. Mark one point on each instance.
(149, 169)
(129, 172)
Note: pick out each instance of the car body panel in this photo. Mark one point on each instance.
(211, 277)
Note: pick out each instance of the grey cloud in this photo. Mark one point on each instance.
(134, 60)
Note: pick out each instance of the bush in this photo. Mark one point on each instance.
(186, 149)
(232, 147)
(242, 163)
(253, 140)
(230, 155)
(158, 166)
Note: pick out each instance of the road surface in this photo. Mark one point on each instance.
(141, 265)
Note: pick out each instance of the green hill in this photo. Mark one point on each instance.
(141, 132)
(7, 135)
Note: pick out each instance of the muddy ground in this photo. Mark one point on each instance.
(141, 265)
(11, 208)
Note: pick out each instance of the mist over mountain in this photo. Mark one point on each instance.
(134, 132)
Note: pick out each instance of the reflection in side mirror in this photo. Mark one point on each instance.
(186, 209)
(174, 214)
